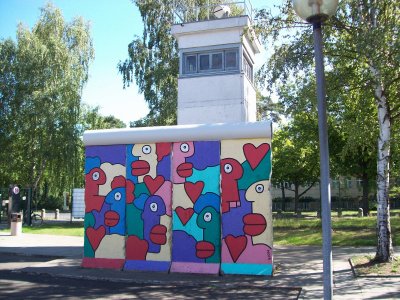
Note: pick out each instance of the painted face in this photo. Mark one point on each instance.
(147, 162)
(231, 169)
(94, 180)
(95, 177)
(154, 232)
(255, 223)
(231, 172)
(154, 206)
(115, 199)
(181, 168)
(208, 220)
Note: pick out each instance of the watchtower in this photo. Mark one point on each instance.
(217, 49)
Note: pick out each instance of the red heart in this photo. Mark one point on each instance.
(95, 236)
(136, 249)
(236, 245)
(153, 184)
(254, 155)
(193, 190)
(184, 214)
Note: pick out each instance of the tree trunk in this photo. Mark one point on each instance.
(365, 187)
(283, 196)
(384, 251)
(296, 197)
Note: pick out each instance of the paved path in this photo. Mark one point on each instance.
(298, 267)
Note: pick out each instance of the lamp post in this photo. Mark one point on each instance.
(316, 12)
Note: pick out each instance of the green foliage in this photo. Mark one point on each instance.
(153, 58)
(268, 109)
(50, 202)
(362, 60)
(295, 148)
(91, 119)
(42, 76)
(154, 64)
(351, 48)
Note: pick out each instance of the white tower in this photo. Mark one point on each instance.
(217, 53)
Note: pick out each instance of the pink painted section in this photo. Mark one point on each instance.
(102, 263)
(201, 268)
(252, 254)
(165, 193)
(179, 158)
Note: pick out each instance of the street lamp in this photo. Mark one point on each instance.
(316, 12)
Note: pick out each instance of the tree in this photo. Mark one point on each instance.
(359, 129)
(153, 63)
(7, 93)
(268, 109)
(93, 120)
(353, 45)
(46, 70)
(295, 149)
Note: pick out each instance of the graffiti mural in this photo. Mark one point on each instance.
(196, 204)
(148, 214)
(201, 206)
(246, 207)
(105, 196)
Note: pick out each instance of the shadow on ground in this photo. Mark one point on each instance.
(27, 286)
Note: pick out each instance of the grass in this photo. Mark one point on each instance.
(347, 231)
(60, 228)
(366, 265)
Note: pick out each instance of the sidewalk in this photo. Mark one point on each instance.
(298, 267)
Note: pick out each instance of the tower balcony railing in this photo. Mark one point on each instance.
(184, 12)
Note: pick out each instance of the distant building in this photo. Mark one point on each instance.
(345, 192)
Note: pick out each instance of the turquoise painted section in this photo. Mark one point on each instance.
(190, 227)
(246, 269)
(207, 176)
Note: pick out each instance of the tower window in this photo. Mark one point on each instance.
(216, 61)
(231, 60)
(211, 61)
(190, 64)
(204, 62)
(248, 68)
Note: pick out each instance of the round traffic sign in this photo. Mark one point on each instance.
(16, 190)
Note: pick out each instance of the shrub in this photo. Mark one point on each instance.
(50, 202)
(308, 199)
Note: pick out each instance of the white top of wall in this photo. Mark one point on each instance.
(179, 133)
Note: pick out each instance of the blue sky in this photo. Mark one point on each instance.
(114, 23)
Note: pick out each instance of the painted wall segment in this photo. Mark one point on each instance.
(196, 204)
(246, 207)
(148, 220)
(105, 196)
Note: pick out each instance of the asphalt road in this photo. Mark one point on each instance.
(15, 284)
